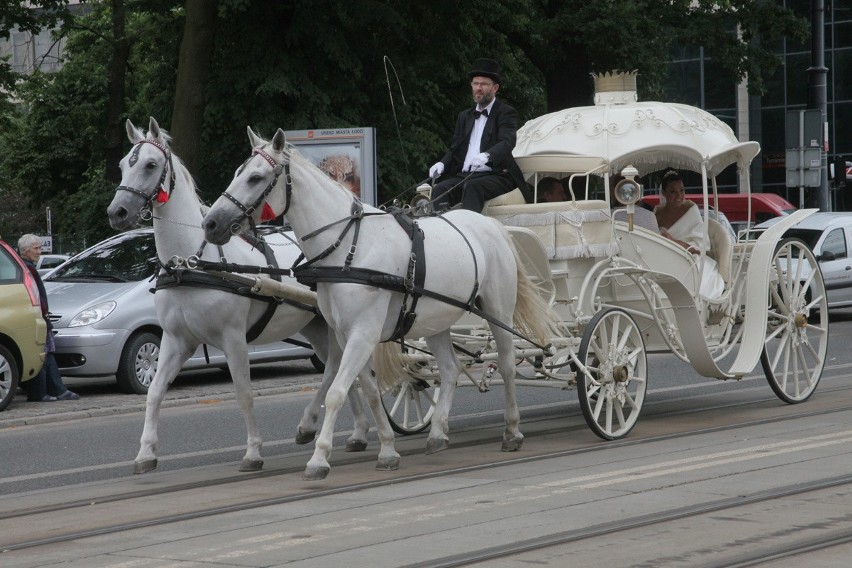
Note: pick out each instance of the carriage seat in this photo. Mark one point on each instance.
(567, 229)
(514, 197)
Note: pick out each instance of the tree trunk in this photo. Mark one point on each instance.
(199, 34)
(117, 90)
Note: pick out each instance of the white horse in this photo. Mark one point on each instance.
(153, 177)
(468, 259)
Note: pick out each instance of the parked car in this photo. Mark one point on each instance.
(829, 235)
(48, 262)
(105, 322)
(22, 327)
(764, 206)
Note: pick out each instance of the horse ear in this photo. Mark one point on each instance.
(153, 128)
(254, 139)
(133, 133)
(279, 140)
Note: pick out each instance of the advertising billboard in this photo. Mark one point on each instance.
(347, 155)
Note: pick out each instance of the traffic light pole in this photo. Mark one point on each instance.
(818, 93)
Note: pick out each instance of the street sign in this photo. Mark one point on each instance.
(803, 137)
(46, 244)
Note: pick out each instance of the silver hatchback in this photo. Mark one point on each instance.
(105, 322)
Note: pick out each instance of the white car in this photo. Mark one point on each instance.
(829, 236)
(48, 262)
(105, 322)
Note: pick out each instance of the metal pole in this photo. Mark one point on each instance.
(818, 92)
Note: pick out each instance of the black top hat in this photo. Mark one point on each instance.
(485, 68)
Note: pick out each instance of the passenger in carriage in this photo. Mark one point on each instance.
(641, 217)
(680, 221)
(551, 190)
(479, 164)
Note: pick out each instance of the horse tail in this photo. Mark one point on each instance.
(388, 365)
(532, 316)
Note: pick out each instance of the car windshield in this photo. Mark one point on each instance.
(810, 236)
(127, 258)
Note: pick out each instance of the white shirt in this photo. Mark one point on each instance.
(476, 140)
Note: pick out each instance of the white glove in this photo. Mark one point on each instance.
(478, 162)
(436, 170)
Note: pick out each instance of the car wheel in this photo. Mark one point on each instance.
(318, 364)
(8, 377)
(138, 363)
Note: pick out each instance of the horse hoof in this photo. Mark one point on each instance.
(303, 437)
(251, 465)
(356, 445)
(387, 464)
(434, 445)
(145, 466)
(315, 473)
(513, 445)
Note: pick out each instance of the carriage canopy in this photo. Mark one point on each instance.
(647, 135)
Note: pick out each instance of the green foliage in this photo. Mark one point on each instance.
(400, 67)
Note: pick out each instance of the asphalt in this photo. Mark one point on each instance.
(100, 396)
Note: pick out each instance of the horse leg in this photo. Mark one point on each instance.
(173, 354)
(388, 456)
(441, 347)
(357, 441)
(512, 437)
(326, 347)
(355, 356)
(238, 364)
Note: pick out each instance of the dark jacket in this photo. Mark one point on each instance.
(42, 291)
(498, 139)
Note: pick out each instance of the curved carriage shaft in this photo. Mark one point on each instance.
(758, 277)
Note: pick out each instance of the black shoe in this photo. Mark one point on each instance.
(68, 395)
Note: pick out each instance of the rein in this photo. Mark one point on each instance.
(411, 285)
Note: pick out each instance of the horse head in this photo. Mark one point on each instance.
(250, 197)
(147, 176)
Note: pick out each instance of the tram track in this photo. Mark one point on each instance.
(368, 457)
(651, 520)
(116, 505)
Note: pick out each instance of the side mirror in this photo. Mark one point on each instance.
(826, 256)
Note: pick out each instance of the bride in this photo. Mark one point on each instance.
(680, 221)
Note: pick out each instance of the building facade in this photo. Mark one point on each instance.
(697, 80)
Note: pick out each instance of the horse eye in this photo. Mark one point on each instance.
(255, 177)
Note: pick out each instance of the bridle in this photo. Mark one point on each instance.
(277, 170)
(145, 211)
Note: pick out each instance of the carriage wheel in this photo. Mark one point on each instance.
(797, 326)
(410, 404)
(612, 393)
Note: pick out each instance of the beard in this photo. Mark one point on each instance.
(485, 100)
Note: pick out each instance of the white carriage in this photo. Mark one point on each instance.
(621, 291)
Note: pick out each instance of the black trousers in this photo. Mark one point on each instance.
(472, 191)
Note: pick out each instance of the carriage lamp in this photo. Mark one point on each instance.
(628, 191)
